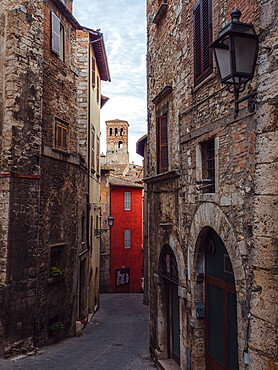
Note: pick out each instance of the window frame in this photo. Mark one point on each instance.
(127, 200)
(93, 71)
(127, 239)
(93, 146)
(161, 144)
(57, 36)
(98, 89)
(64, 135)
(204, 72)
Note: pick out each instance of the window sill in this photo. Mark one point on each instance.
(62, 151)
(162, 177)
(207, 197)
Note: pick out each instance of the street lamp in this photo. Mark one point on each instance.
(98, 232)
(236, 51)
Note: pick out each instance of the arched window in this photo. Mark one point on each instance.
(168, 264)
(122, 132)
(116, 132)
(111, 131)
(120, 145)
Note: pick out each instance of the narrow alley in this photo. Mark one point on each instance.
(116, 338)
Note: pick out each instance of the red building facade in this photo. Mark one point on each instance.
(126, 238)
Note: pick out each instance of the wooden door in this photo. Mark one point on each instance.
(221, 308)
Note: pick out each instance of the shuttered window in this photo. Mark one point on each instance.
(93, 71)
(202, 23)
(127, 201)
(93, 165)
(55, 33)
(98, 152)
(127, 238)
(98, 89)
(162, 147)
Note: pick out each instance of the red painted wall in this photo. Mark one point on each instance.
(127, 220)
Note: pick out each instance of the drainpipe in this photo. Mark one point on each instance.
(88, 149)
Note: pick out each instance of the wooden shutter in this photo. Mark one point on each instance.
(98, 89)
(55, 33)
(127, 201)
(163, 144)
(93, 151)
(202, 24)
(98, 150)
(127, 238)
(93, 71)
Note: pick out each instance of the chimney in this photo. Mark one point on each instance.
(68, 4)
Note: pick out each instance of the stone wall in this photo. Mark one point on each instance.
(242, 209)
(20, 109)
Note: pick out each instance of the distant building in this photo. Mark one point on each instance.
(121, 196)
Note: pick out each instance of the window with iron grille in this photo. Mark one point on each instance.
(162, 144)
(61, 134)
(208, 166)
(202, 23)
(127, 238)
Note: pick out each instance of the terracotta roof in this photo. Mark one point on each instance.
(122, 181)
(97, 41)
(116, 121)
(63, 8)
(140, 145)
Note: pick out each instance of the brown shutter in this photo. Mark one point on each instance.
(93, 71)
(202, 23)
(93, 151)
(197, 39)
(163, 144)
(98, 87)
(98, 149)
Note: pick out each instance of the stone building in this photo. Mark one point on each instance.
(212, 192)
(44, 250)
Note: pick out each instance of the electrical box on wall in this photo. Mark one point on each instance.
(200, 310)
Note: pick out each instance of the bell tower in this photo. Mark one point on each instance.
(117, 142)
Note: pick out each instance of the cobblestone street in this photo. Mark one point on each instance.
(116, 338)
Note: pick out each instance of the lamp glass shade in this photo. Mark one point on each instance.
(110, 221)
(222, 56)
(245, 54)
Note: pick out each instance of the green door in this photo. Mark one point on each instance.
(221, 313)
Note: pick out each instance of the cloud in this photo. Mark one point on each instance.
(123, 24)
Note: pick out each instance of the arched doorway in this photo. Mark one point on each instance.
(169, 274)
(221, 308)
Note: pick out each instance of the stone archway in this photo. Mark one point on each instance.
(210, 217)
(162, 299)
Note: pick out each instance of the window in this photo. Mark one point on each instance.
(116, 132)
(120, 145)
(127, 238)
(93, 71)
(127, 201)
(208, 166)
(92, 233)
(61, 133)
(57, 36)
(98, 89)
(122, 132)
(93, 164)
(202, 23)
(98, 150)
(57, 260)
(162, 144)
(111, 131)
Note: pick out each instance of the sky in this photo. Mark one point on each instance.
(123, 24)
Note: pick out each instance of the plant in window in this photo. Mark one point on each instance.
(57, 271)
